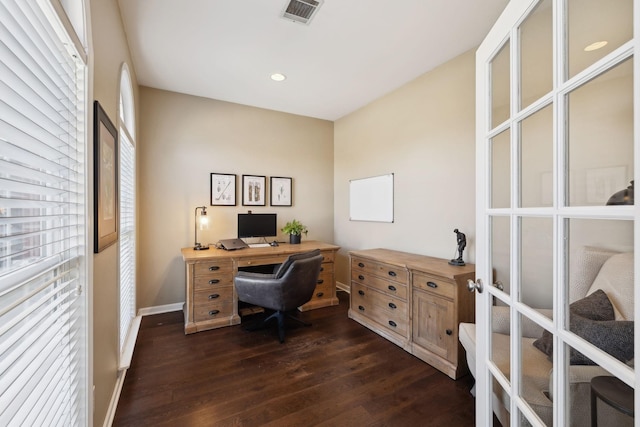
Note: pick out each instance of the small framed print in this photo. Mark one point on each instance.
(223, 189)
(280, 191)
(253, 190)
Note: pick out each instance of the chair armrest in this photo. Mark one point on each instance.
(501, 322)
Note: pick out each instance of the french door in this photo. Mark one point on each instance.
(556, 137)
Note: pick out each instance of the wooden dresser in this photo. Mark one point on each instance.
(210, 296)
(414, 301)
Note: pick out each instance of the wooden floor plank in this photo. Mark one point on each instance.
(334, 373)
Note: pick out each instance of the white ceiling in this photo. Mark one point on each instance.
(353, 51)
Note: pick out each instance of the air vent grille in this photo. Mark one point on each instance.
(301, 10)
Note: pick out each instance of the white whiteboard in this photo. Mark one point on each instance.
(371, 199)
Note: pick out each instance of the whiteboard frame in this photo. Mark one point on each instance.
(372, 199)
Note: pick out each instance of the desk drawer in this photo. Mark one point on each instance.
(380, 269)
(433, 284)
(211, 281)
(213, 267)
(213, 304)
(265, 260)
(328, 257)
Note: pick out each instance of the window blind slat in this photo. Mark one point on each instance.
(42, 219)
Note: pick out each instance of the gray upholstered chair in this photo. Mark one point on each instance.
(290, 286)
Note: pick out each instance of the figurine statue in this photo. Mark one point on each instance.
(462, 243)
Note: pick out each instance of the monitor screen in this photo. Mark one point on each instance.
(257, 225)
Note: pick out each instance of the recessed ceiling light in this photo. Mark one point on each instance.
(278, 77)
(595, 46)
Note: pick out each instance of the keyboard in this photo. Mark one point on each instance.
(259, 245)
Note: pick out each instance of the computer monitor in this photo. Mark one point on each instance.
(257, 225)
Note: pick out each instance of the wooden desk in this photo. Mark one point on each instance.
(211, 298)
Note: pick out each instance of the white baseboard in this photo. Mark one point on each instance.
(342, 287)
(115, 397)
(159, 309)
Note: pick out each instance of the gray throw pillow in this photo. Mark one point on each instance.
(612, 336)
(595, 306)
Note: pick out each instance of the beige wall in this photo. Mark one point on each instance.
(184, 139)
(424, 133)
(110, 51)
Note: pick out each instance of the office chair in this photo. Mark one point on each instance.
(289, 287)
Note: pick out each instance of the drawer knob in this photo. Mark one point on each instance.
(361, 265)
(392, 305)
(321, 268)
(361, 292)
(432, 285)
(320, 281)
(214, 296)
(361, 308)
(449, 331)
(214, 268)
(214, 281)
(361, 277)
(392, 274)
(392, 288)
(392, 323)
(320, 294)
(214, 312)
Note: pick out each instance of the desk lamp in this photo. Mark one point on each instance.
(203, 223)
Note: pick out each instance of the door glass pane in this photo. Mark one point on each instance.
(584, 382)
(536, 159)
(536, 370)
(500, 86)
(501, 252)
(536, 54)
(500, 404)
(536, 263)
(501, 170)
(500, 345)
(596, 28)
(600, 137)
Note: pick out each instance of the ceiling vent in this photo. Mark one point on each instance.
(301, 10)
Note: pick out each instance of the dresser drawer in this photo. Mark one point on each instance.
(393, 321)
(433, 284)
(364, 295)
(212, 305)
(389, 287)
(386, 271)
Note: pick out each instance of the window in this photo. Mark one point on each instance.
(127, 240)
(43, 248)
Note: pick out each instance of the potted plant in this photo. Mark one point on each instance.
(294, 229)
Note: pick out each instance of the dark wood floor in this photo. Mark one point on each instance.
(334, 373)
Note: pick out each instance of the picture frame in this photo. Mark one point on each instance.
(253, 190)
(223, 189)
(281, 194)
(105, 180)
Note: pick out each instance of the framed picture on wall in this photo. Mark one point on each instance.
(253, 190)
(105, 180)
(223, 189)
(280, 191)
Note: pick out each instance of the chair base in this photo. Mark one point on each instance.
(279, 316)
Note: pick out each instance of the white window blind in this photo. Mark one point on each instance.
(42, 220)
(127, 248)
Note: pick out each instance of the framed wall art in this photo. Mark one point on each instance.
(280, 191)
(223, 189)
(105, 180)
(253, 190)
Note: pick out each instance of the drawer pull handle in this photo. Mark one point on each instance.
(361, 292)
(320, 281)
(392, 288)
(392, 323)
(449, 331)
(214, 296)
(214, 281)
(320, 294)
(392, 305)
(432, 285)
(361, 277)
(321, 268)
(214, 268)
(214, 312)
(361, 308)
(361, 265)
(392, 274)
